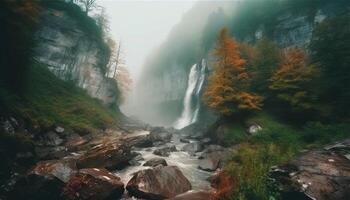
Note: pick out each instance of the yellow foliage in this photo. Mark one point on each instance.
(226, 90)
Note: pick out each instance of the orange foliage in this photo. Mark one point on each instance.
(290, 79)
(224, 186)
(226, 90)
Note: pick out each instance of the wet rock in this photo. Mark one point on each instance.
(213, 148)
(51, 139)
(211, 161)
(318, 174)
(49, 153)
(109, 156)
(93, 183)
(205, 140)
(160, 136)
(61, 169)
(193, 195)
(165, 151)
(136, 160)
(158, 183)
(142, 141)
(37, 187)
(153, 162)
(193, 147)
(184, 140)
(75, 142)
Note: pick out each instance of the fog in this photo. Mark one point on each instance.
(142, 26)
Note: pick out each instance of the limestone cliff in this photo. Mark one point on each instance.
(74, 54)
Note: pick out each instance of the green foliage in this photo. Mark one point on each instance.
(274, 145)
(250, 167)
(48, 101)
(267, 58)
(331, 50)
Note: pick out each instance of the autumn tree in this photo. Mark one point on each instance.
(291, 80)
(227, 87)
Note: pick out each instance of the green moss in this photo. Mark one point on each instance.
(48, 101)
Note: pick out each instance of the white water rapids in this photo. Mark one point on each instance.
(191, 104)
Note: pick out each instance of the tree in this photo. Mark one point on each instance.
(88, 5)
(227, 88)
(102, 21)
(292, 78)
(265, 61)
(330, 48)
(116, 59)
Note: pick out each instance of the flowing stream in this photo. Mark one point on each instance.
(188, 165)
(191, 104)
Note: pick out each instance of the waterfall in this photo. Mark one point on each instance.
(191, 102)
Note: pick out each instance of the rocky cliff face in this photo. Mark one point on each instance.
(72, 54)
(296, 29)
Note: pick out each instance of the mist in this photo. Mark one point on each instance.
(142, 26)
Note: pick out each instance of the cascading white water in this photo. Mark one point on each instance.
(190, 112)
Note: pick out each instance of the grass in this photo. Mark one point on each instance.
(277, 143)
(48, 101)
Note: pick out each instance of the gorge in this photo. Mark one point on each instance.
(242, 100)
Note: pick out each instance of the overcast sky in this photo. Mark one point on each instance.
(142, 25)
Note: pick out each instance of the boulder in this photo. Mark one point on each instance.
(193, 195)
(318, 174)
(160, 136)
(158, 183)
(253, 129)
(37, 187)
(165, 151)
(205, 140)
(62, 169)
(142, 141)
(51, 138)
(213, 148)
(211, 161)
(193, 147)
(109, 156)
(93, 183)
(59, 129)
(136, 160)
(50, 153)
(75, 142)
(153, 162)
